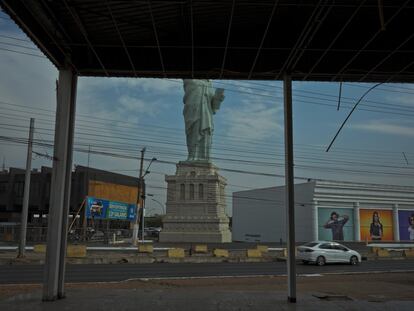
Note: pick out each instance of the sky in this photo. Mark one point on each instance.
(120, 116)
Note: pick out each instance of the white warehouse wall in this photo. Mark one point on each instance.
(259, 215)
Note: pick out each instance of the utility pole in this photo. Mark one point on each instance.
(143, 208)
(85, 218)
(139, 201)
(25, 209)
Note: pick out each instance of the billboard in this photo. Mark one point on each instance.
(113, 192)
(336, 224)
(105, 209)
(376, 225)
(406, 225)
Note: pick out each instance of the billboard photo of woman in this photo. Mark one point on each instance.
(376, 230)
(406, 225)
(411, 227)
(377, 224)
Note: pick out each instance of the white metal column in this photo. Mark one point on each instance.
(290, 195)
(396, 222)
(357, 223)
(315, 230)
(60, 186)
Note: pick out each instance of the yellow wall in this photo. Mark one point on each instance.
(113, 192)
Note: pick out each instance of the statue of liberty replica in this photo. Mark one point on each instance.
(196, 200)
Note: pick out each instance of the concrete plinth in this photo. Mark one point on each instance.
(196, 205)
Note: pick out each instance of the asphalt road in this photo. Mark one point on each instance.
(25, 274)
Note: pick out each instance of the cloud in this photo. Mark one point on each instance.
(130, 104)
(253, 120)
(402, 99)
(251, 89)
(156, 85)
(385, 127)
(160, 86)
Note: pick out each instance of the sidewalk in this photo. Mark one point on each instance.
(343, 292)
(183, 300)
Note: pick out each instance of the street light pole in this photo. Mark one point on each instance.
(143, 196)
(139, 200)
(162, 205)
(143, 212)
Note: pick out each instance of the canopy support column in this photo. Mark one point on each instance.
(54, 270)
(290, 195)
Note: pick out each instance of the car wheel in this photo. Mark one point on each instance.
(305, 262)
(354, 260)
(320, 261)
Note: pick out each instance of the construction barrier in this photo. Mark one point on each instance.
(145, 248)
(201, 249)
(221, 253)
(374, 249)
(263, 248)
(176, 253)
(383, 253)
(39, 248)
(76, 251)
(409, 253)
(254, 253)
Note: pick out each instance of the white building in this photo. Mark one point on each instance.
(326, 210)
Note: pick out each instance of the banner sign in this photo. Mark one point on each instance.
(406, 222)
(376, 225)
(104, 209)
(336, 224)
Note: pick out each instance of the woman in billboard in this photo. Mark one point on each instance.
(376, 230)
(411, 227)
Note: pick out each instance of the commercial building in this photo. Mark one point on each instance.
(326, 210)
(85, 182)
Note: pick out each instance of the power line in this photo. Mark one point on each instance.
(24, 53)
(123, 126)
(111, 154)
(241, 160)
(20, 46)
(15, 38)
(371, 152)
(181, 151)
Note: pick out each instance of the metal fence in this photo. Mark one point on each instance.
(10, 233)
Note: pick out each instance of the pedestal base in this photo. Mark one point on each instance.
(196, 205)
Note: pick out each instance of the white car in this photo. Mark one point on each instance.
(322, 252)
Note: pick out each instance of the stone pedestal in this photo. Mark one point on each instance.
(196, 205)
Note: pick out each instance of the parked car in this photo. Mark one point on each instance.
(152, 232)
(322, 252)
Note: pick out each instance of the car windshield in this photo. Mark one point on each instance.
(310, 244)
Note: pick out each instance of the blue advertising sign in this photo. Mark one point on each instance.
(104, 209)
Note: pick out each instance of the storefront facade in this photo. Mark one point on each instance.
(327, 210)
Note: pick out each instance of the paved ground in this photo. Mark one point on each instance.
(20, 274)
(391, 291)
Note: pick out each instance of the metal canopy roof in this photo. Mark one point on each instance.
(319, 40)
